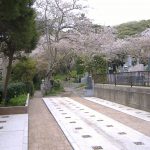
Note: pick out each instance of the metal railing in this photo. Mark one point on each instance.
(138, 78)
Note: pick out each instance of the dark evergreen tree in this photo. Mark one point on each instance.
(17, 31)
(80, 66)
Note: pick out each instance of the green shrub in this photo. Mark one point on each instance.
(24, 70)
(56, 84)
(29, 87)
(60, 77)
(57, 88)
(80, 66)
(18, 101)
(14, 89)
(73, 74)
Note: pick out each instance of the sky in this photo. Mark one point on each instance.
(114, 12)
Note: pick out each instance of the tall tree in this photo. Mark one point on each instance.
(58, 16)
(24, 70)
(17, 31)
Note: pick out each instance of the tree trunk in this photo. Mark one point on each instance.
(8, 74)
(47, 81)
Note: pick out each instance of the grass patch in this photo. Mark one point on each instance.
(18, 101)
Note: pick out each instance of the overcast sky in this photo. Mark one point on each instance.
(113, 12)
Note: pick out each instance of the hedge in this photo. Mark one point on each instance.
(16, 89)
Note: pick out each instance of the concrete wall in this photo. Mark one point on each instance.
(137, 97)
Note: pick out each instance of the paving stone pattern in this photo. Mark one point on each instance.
(107, 133)
(85, 137)
(133, 122)
(144, 115)
(45, 133)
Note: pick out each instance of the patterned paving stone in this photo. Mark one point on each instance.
(96, 132)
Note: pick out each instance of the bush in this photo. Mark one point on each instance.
(61, 77)
(24, 70)
(29, 87)
(57, 88)
(14, 89)
(18, 101)
(56, 84)
(73, 74)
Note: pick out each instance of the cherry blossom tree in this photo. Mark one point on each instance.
(137, 46)
(58, 17)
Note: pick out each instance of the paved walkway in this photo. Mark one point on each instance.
(86, 128)
(14, 132)
(44, 132)
(133, 122)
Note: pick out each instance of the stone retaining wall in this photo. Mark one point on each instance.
(137, 97)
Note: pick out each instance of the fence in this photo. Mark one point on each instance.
(139, 78)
